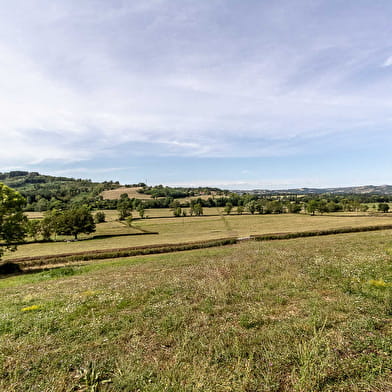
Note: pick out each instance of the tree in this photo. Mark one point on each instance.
(177, 211)
(322, 206)
(364, 207)
(124, 206)
(294, 208)
(140, 210)
(251, 206)
(333, 207)
(196, 209)
(240, 210)
(12, 220)
(33, 228)
(383, 207)
(228, 208)
(123, 211)
(49, 224)
(75, 221)
(312, 206)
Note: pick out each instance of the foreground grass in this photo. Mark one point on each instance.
(310, 314)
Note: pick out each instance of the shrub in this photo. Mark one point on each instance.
(100, 217)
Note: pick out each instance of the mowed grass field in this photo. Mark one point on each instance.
(185, 229)
(132, 192)
(307, 314)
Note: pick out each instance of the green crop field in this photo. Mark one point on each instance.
(183, 229)
(308, 314)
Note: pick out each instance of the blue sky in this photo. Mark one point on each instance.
(236, 94)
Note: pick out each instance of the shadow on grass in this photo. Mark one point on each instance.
(103, 236)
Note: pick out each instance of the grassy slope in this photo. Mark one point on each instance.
(295, 315)
(114, 194)
(174, 230)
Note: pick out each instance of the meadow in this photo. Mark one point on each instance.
(307, 314)
(171, 230)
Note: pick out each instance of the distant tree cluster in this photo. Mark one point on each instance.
(177, 192)
(125, 206)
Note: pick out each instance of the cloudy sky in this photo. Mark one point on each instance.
(237, 94)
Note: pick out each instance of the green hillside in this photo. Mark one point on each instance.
(44, 192)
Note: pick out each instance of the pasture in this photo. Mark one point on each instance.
(212, 225)
(132, 192)
(309, 314)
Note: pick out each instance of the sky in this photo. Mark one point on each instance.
(236, 94)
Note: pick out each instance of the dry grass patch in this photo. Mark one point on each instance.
(114, 194)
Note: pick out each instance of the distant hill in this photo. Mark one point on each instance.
(44, 192)
(358, 190)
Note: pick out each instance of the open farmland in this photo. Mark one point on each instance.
(311, 314)
(185, 229)
(132, 192)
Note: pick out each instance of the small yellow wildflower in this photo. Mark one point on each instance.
(89, 293)
(32, 307)
(377, 283)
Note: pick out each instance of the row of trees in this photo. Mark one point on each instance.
(264, 206)
(69, 222)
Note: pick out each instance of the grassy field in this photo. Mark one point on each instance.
(310, 314)
(210, 226)
(114, 194)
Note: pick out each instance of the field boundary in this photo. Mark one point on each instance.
(27, 262)
(314, 233)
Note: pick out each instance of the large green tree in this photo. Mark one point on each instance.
(12, 219)
(75, 221)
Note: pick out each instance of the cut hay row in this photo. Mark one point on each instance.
(314, 233)
(28, 262)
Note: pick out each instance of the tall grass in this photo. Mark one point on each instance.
(312, 314)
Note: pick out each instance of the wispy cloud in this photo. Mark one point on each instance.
(82, 79)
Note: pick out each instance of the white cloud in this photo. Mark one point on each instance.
(387, 62)
(82, 78)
